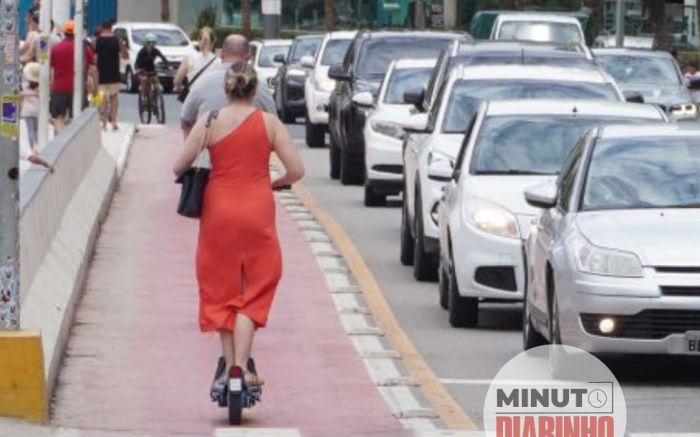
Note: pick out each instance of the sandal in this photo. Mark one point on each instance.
(218, 385)
(250, 375)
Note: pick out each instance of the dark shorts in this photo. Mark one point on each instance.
(61, 105)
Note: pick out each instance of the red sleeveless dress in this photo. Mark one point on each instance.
(238, 255)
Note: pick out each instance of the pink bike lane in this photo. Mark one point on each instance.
(136, 361)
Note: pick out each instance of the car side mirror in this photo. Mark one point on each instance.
(307, 62)
(279, 59)
(416, 123)
(337, 72)
(440, 171)
(364, 98)
(542, 196)
(633, 97)
(416, 98)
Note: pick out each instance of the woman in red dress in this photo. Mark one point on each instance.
(238, 255)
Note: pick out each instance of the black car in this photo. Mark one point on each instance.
(291, 78)
(363, 69)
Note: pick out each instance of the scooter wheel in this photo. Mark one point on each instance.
(235, 395)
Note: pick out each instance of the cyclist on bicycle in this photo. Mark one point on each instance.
(146, 62)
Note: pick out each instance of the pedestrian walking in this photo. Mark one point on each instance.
(62, 68)
(206, 96)
(29, 103)
(110, 50)
(238, 255)
(30, 47)
(196, 64)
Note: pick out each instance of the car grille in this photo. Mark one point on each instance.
(676, 290)
(499, 277)
(646, 325)
(294, 92)
(678, 270)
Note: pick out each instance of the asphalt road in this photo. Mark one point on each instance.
(662, 394)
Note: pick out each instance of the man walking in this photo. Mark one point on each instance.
(109, 49)
(62, 63)
(207, 94)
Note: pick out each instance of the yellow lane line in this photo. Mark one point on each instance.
(442, 402)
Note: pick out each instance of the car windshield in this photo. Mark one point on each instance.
(531, 144)
(335, 50)
(268, 53)
(520, 59)
(377, 54)
(304, 47)
(166, 37)
(641, 69)
(638, 173)
(403, 80)
(466, 96)
(540, 31)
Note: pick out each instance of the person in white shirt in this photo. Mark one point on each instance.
(197, 62)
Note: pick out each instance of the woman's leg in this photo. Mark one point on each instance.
(227, 348)
(243, 334)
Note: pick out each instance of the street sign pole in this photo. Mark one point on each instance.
(9, 167)
(620, 18)
(272, 18)
(44, 77)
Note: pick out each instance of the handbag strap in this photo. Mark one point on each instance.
(201, 70)
(205, 140)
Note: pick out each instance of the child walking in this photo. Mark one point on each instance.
(29, 111)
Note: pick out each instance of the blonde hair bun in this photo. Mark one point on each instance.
(241, 81)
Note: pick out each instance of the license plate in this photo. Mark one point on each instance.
(692, 342)
(235, 384)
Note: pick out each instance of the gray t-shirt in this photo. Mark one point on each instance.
(207, 94)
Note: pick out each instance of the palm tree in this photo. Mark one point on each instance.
(245, 17)
(329, 14)
(597, 7)
(656, 11)
(165, 11)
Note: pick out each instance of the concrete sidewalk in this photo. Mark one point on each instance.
(136, 363)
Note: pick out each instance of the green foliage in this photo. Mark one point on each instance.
(207, 17)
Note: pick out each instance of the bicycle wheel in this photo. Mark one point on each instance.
(159, 104)
(144, 109)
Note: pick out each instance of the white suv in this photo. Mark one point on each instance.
(540, 27)
(511, 146)
(435, 137)
(173, 42)
(383, 132)
(319, 86)
(264, 58)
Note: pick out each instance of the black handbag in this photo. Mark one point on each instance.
(185, 91)
(194, 181)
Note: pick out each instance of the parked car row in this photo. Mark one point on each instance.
(531, 171)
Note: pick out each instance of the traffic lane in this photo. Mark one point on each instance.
(453, 354)
(129, 108)
(663, 395)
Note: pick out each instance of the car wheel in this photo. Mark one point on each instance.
(554, 326)
(406, 238)
(531, 338)
(425, 265)
(463, 311)
(351, 169)
(334, 160)
(372, 198)
(132, 85)
(444, 287)
(315, 135)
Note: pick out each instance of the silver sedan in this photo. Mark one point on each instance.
(614, 258)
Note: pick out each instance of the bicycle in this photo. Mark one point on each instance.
(152, 103)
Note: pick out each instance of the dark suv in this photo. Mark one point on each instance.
(291, 78)
(363, 69)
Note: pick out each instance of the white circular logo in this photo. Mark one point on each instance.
(555, 391)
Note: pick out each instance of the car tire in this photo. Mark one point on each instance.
(407, 248)
(372, 198)
(351, 169)
(315, 135)
(531, 337)
(444, 287)
(334, 161)
(463, 311)
(425, 265)
(132, 85)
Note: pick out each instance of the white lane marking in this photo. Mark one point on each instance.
(257, 432)
(460, 381)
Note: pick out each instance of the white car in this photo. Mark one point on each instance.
(173, 42)
(483, 216)
(318, 87)
(437, 136)
(383, 132)
(538, 27)
(264, 58)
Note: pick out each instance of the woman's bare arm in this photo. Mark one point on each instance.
(181, 73)
(283, 146)
(192, 146)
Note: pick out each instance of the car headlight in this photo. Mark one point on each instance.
(296, 73)
(325, 84)
(490, 218)
(388, 128)
(436, 157)
(606, 262)
(685, 110)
